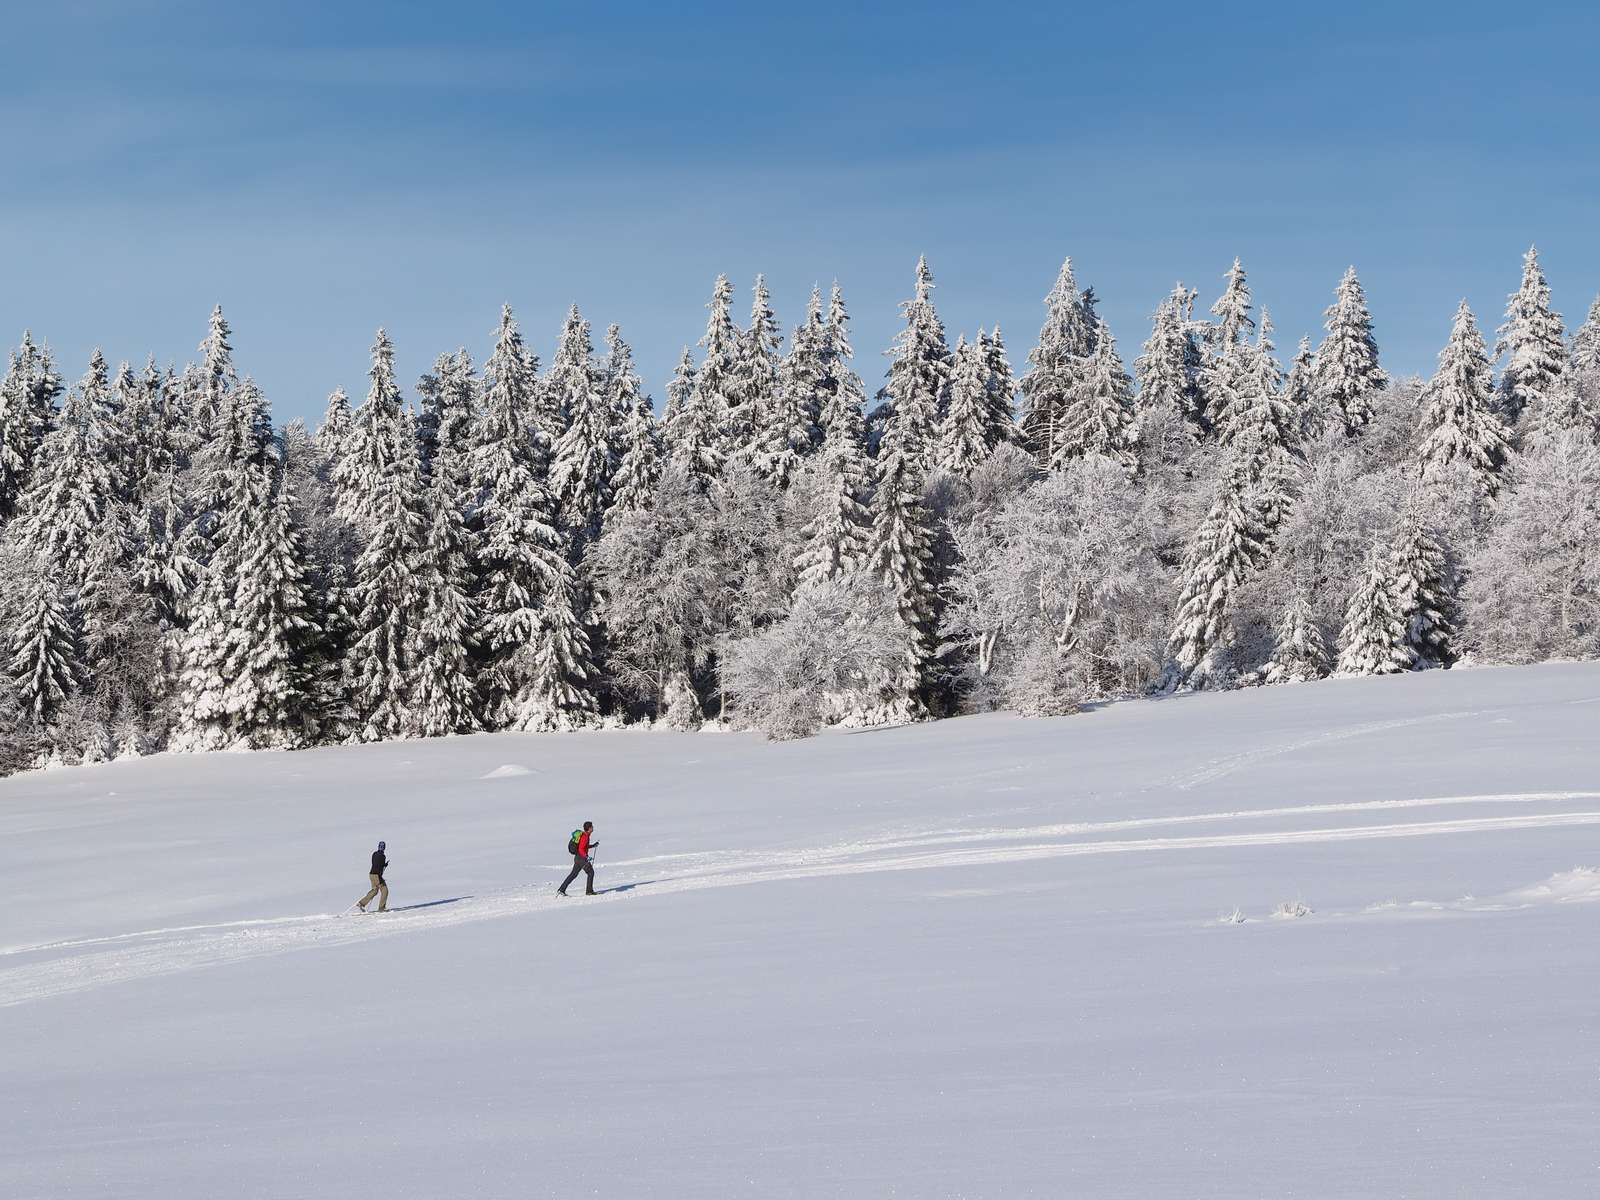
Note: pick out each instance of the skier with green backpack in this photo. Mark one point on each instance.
(580, 846)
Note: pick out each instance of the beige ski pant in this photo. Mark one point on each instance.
(380, 889)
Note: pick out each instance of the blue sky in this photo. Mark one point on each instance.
(320, 170)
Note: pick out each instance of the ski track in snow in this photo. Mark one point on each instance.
(81, 964)
(1217, 768)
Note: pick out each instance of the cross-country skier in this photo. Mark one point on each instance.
(380, 889)
(580, 845)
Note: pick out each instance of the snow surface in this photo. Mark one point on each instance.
(984, 957)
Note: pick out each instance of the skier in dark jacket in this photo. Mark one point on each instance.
(380, 889)
(580, 845)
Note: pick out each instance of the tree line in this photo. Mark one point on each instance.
(534, 548)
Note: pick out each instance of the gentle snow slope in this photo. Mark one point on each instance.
(976, 958)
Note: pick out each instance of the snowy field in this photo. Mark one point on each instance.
(975, 958)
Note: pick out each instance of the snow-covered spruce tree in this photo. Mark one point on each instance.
(717, 382)
(21, 431)
(838, 537)
(1584, 355)
(536, 669)
(841, 389)
(790, 431)
(1226, 547)
(329, 555)
(215, 377)
(1262, 428)
(1374, 638)
(1299, 393)
(963, 439)
(1459, 424)
(1057, 363)
(1573, 404)
(1347, 371)
(147, 423)
(1533, 587)
(639, 442)
(585, 458)
(445, 424)
(1425, 586)
(900, 551)
(385, 600)
(1226, 349)
(444, 696)
(901, 546)
(70, 490)
(240, 464)
(1300, 653)
(364, 471)
(1001, 427)
(1533, 343)
(335, 433)
(756, 380)
(1098, 415)
(693, 425)
(121, 423)
(1169, 367)
(44, 663)
(1232, 312)
(271, 627)
(919, 377)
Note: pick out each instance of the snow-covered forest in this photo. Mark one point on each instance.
(530, 546)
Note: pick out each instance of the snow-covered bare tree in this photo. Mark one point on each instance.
(1071, 563)
(830, 651)
(1533, 588)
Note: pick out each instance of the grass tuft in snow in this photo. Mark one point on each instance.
(1291, 909)
(1233, 917)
